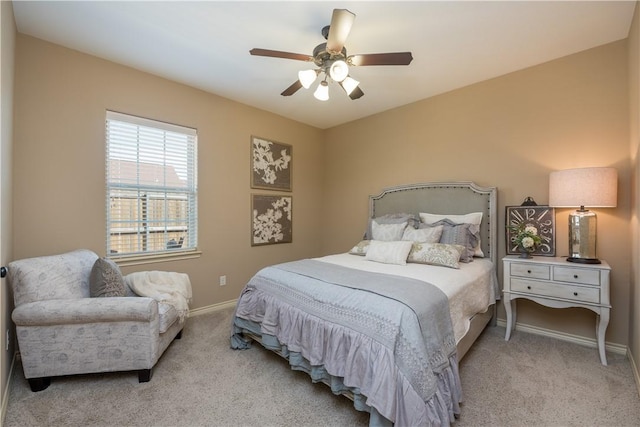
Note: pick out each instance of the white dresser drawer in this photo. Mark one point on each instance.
(548, 289)
(531, 270)
(576, 275)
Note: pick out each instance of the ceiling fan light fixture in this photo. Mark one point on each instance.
(339, 70)
(322, 92)
(307, 77)
(332, 60)
(349, 84)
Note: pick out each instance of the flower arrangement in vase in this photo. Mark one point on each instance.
(527, 238)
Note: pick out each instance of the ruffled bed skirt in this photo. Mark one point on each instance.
(352, 363)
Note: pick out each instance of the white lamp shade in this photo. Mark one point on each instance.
(349, 84)
(322, 92)
(307, 77)
(589, 187)
(339, 70)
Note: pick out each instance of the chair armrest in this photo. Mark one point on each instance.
(85, 310)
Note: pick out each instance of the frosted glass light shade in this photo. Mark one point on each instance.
(307, 77)
(338, 71)
(349, 84)
(590, 187)
(322, 92)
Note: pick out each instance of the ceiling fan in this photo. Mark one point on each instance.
(332, 60)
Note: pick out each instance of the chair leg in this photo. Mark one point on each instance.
(39, 384)
(179, 335)
(144, 375)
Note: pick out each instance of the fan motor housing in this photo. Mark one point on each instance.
(321, 55)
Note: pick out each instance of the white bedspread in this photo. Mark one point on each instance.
(470, 289)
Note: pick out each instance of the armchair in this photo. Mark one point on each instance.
(62, 330)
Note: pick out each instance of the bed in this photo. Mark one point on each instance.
(386, 333)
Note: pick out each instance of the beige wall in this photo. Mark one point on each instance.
(634, 115)
(509, 132)
(7, 42)
(59, 186)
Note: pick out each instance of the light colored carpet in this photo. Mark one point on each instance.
(200, 381)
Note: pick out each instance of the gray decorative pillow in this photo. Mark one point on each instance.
(106, 279)
(387, 232)
(436, 254)
(396, 218)
(361, 248)
(423, 235)
(458, 234)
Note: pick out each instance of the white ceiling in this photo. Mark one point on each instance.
(206, 44)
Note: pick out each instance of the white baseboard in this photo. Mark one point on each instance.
(212, 308)
(5, 396)
(577, 339)
(634, 369)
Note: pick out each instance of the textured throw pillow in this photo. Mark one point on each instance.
(361, 248)
(396, 218)
(423, 235)
(474, 218)
(436, 254)
(389, 252)
(387, 232)
(458, 234)
(106, 279)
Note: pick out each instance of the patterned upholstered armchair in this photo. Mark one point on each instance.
(63, 330)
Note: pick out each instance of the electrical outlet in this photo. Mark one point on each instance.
(223, 280)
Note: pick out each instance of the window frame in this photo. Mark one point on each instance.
(132, 139)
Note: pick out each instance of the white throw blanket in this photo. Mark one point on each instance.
(163, 286)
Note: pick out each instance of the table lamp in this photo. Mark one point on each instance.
(590, 187)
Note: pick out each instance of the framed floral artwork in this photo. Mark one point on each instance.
(271, 164)
(271, 219)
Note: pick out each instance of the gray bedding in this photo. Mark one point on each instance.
(387, 339)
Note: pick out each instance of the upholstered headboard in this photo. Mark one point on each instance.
(444, 198)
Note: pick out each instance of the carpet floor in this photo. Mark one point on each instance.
(199, 381)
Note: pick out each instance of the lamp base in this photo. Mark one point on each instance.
(582, 236)
(584, 260)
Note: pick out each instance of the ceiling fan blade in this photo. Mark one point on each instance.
(356, 93)
(341, 22)
(292, 89)
(395, 58)
(280, 54)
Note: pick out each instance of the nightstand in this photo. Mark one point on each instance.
(554, 282)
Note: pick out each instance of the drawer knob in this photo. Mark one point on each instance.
(575, 294)
(529, 271)
(575, 276)
(529, 287)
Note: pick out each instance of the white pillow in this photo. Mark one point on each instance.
(389, 252)
(470, 218)
(474, 218)
(423, 235)
(387, 232)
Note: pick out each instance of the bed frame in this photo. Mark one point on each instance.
(441, 198)
(449, 198)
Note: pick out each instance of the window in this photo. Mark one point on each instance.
(152, 198)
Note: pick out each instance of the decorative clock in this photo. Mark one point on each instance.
(542, 218)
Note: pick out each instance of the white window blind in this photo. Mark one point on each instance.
(151, 177)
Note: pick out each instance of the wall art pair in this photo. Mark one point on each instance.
(271, 214)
